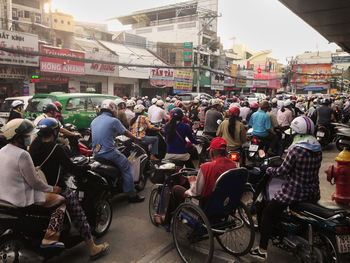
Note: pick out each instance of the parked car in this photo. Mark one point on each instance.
(189, 97)
(5, 107)
(255, 97)
(77, 108)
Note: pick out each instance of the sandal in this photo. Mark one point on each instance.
(160, 220)
(102, 253)
(54, 244)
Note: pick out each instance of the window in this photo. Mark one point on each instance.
(68, 22)
(62, 22)
(76, 104)
(172, 58)
(55, 20)
(26, 14)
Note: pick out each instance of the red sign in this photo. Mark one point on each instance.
(311, 75)
(56, 65)
(54, 79)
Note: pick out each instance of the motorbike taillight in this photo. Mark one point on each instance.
(255, 140)
(233, 156)
(344, 230)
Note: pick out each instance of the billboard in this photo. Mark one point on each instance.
(183, 81)
(162, 77)
(312, 75)
(188, 51)
(57, 65)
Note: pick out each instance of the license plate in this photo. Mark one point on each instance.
(86, 137)
(343, 243)
(81, 195)
(199, 148)
(253, 147)
(200, 132)
(320, 134)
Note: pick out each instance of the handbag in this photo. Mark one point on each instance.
(40, 172)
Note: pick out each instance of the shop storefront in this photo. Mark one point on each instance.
(51, 83)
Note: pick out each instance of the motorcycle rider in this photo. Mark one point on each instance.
(325, 115)
(285, 115)
(44, 147)
(253, 108)
(202, 111)
(235, 102)
(167, 104)
(261, 123)
(212, 117)
(244, 111)
(152, 108)
(158, 114)
(103, 131)
(274, 107)
(59, 116)
(194, 110)
(300, 169)
(139, 124)
(17, 109)
(232, 130)
(20, 183)
(129, 112)
(121, 115)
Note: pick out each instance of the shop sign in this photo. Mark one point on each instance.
(261, 83)
(234, 69)
(313, 89)
(101, 69)
(12, 72)
(340, 59)
(217, 87)
(57, 65)
(188, 51)
(311, 75)
(20, 41)
(162, 77)
(241, 82)
(183, 81)
(54, 79)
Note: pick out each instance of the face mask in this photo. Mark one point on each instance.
(27, 141)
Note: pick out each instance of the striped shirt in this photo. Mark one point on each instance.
(140, 126)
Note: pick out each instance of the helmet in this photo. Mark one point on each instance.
(146, 97)
(294, 97)
(204, 102)
(154, 100)
(58, 105)
(287, 103)
(303, 125)
(325, 101)
(17, 103)
(167, 99)
(300, 99)
(254, 105)
(160, 103)
(234, 99)
(18, 127)
(216, 102)
(234, 111)
(130, 103)
(47, 126)
(178, 103)
(125, 97)
(133, 98)
(176, 113)
(195, 101)
(49, 107)
(139, 108)
(109, 105)
(119, 101)
(274, 101)
(173, 99)
(315, 101)
(139, 102)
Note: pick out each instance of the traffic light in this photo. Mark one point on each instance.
(35, 78)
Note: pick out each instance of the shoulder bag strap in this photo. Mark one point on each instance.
(178, 134)
(48, 156)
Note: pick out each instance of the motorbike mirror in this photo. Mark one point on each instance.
(219, 122)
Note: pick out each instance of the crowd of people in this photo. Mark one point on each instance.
(225, 118)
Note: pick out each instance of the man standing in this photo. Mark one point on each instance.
(103, 130)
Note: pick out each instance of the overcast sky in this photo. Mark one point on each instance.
(259, 24)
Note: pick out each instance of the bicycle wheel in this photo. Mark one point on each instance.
(239, 239)
(153, 204)
(192, 234)
(248, 199)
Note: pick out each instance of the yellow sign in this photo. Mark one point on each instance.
(183, 81)
(234, 70)
(333, 91)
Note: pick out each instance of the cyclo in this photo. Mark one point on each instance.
(195, 224)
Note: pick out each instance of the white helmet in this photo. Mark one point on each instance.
(274, 101)
(119, 101)
(303, 125)
(130, 103)
(146, 97)
(173, 99)
(160, 103)
(139, 108)
(287, 103)
(167, 99)
(154, 100)
(133, 98)
(205, 102)
(18, 127)
(16, 103)
(110, 105)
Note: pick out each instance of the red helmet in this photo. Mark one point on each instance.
(234, 99)
(294, 97)
(178, 103)
(125, 97)
(254, 105)
(58, 105)
(234, 111)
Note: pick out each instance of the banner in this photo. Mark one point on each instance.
(183, 81)
(311, 75)
(20, 41)
(101, 69)
(162, 77)
(65, 66)
(234, 69)
(188, 51)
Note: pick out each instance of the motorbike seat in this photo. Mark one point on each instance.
(108, 169)
(317, 210)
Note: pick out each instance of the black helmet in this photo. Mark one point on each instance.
(47, 126)
(50, 107)
(177, 114)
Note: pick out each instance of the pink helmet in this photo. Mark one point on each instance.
(178, 103)
(254, 105)
(234, 111)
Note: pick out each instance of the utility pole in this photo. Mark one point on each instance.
(199, 55)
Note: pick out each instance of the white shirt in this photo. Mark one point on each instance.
(129, 115)
(244, 113)
(280, 104)
(19, 182)
(235, 104)
(156, 114)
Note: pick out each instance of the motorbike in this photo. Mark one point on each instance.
(80, 146)
(162, 145)
(323, 135)
(254, 150)
(198, 128)
(22, 229)
(314, 232)
(342, 136)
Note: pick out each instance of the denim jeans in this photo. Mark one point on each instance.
(124, 166)
(151, 140)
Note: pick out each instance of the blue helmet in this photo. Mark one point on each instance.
(47, 126)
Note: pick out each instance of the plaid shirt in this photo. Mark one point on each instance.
(140, 126)
(300, 168)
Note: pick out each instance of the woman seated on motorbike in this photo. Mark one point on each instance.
(300, 170)
(175, 132)
(22, 187)
(139, 124)
(202, 184)
(232, 130)
(43, 148)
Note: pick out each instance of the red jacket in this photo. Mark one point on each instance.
(212, 171)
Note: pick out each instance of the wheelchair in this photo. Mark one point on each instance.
(197, 223)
